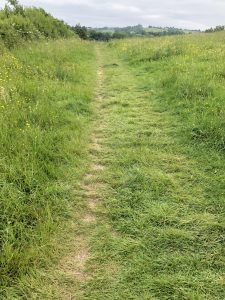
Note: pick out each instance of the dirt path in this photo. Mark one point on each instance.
(73, 269)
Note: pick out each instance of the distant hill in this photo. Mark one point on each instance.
(109, 33)
(139, 30)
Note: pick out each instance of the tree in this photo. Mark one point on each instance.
(16, 7)
(219, 28)
(118, 35)
(216, 29)
(81, 31)
(99, 36)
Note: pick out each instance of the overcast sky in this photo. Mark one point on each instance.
(192, 14)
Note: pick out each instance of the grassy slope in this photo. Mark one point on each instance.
(165, 202)
(45, 95)
(190, 77)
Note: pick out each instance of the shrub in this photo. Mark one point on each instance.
(18, 24)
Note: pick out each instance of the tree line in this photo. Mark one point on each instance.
(216, 29)
(106, 34)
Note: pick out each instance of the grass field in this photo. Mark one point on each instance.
(123, 194)
(164, 201)
(45, 94)
(190, 76)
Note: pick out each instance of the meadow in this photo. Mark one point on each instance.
(45, 94)
(164, 157)
(190, 76)
(112, 164)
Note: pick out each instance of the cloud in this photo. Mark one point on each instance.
(193, 14)
(125, 8)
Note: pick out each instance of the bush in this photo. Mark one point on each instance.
(18, 24)
(99, 36)
(81, 31)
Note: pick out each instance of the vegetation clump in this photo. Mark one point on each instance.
(19, 25)
(216, 29)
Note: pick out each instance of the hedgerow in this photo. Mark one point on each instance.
(19, 24)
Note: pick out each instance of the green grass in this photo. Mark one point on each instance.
(192, 81)
(46, 90)
(161, 231)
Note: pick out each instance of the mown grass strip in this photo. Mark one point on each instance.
(164, 202)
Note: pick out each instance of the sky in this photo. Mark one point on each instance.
(190, 14)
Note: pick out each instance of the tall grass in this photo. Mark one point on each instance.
(45, 94)
(192, 81)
